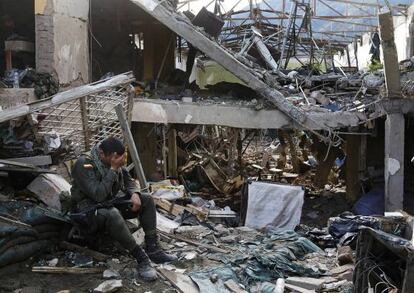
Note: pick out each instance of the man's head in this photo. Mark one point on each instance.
(109, 148)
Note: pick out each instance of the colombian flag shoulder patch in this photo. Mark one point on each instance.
(88, 166)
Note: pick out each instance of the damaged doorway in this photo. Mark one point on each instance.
(17, 24)
(125, 38)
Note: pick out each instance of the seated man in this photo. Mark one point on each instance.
(98, 176)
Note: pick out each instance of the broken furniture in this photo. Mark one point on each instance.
(384, 262)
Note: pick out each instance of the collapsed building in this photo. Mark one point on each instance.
(227, 131)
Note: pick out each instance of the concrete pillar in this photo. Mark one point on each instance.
(62, 40)
(394, 161)
(390, 57)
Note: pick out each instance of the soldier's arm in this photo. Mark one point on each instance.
(84, 174)
(130, 184)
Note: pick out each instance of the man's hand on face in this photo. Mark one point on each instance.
(117, 161)
(136, 202)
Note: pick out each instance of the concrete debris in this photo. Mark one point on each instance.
(234, 287)
(189, 255)
(48, 188)
(111, 274)
(309, 283)
(53, 262)
(108, 286)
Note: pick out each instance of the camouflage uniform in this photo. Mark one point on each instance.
(89, 188)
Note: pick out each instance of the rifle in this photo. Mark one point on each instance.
(123, 204)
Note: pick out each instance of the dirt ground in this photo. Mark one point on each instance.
(316, 212)
(33, 283)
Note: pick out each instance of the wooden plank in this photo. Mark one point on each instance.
(95, 254)
(8, 57)
(131, 147)
(352, 167)
(35, 161)
(67, 270)
(29, 170)
(196, 243)
(175, 209)
(17, 164)
(172, 208)
(180, 281)
(14, 222)
(19, 46)
(85, 122)
(172, 153)
(66, 96)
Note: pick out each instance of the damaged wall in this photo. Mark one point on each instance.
(403, 28)
(62, 47)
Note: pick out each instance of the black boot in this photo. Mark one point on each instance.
(154, 251)
(145, 270)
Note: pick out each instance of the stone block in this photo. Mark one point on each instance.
(12, 97)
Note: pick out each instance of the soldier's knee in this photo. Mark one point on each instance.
(114, 215)
(146, 200)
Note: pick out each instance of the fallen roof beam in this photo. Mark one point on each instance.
(66, 96)
(183, 27)
(315, 17)
(376, 5)
(343, 21)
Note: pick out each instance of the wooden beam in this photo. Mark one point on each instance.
(196, 243)
(67, 270)
(352, 167)
(33, 161)
(139, 171)
(345, 22)
(172, 153)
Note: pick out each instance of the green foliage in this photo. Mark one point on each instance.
(375, 65)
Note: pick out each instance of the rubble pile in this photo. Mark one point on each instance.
(44, 84)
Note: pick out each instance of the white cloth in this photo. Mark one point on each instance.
(274, 205)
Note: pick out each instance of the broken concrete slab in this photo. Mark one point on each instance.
(173, 112)
(341, 269)
(180, 281)
(12, 97)
(309, 283)
(166, 225)
(298, 289)
(48, 188)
